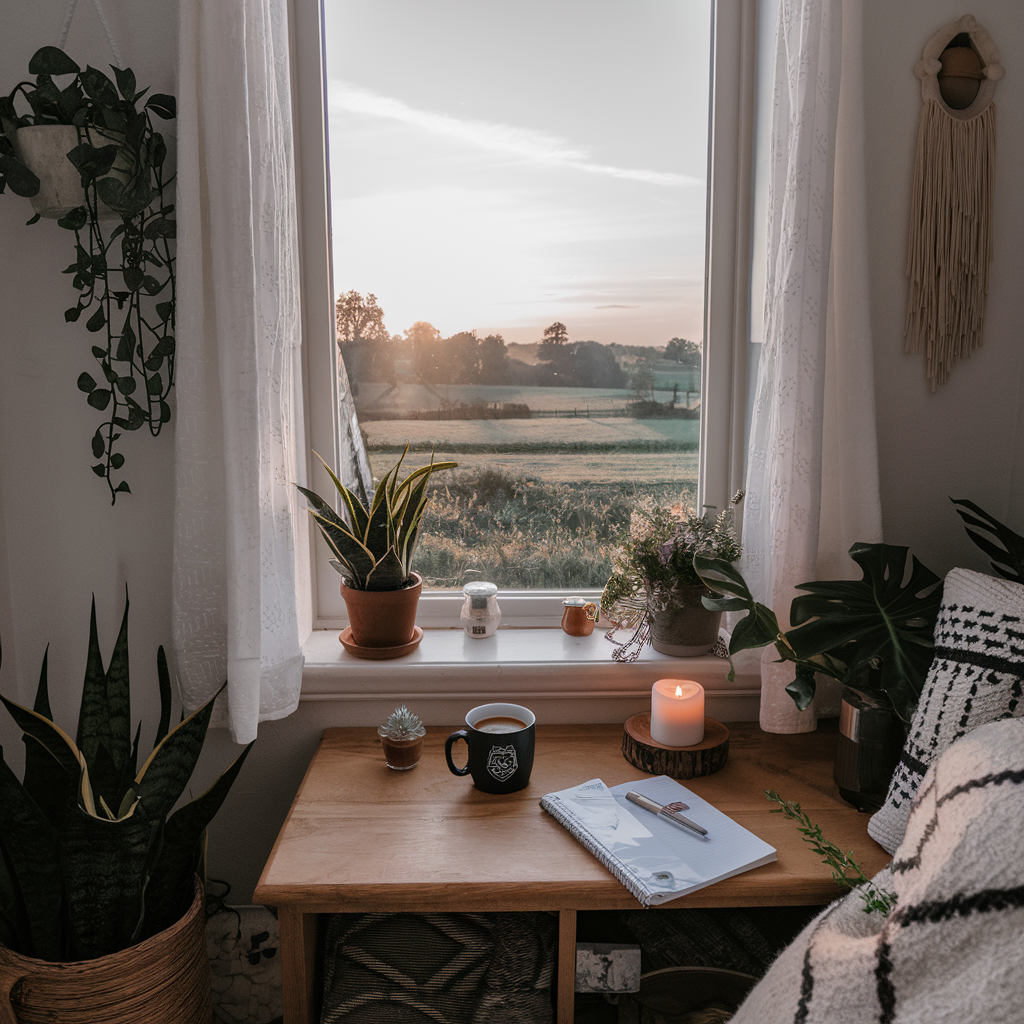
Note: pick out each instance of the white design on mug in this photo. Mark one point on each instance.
(502, 763)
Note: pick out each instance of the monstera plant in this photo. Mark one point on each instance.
(93, 861)
(100, 132)
(875, 633)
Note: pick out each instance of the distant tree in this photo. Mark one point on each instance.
(363, 339)
(555, 337)
(494, 368)
(359, 319)
(641, 382)
(428, 358)
(685, 352)
(462, 357)
(592, 365)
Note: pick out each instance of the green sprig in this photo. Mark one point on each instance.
(846, 873)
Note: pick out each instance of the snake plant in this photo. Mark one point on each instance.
(373, 550)
(90, 861)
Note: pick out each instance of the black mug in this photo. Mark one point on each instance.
(500, 738)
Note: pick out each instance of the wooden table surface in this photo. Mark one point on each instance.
(360, 837)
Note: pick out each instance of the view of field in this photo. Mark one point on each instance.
(519, 265)
(539, 502)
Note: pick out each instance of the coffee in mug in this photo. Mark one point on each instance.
(499, 723)
(500, 738)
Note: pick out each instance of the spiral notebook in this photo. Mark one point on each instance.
(654, 859)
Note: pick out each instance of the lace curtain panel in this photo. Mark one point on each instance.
(812, 476)
(239, 413)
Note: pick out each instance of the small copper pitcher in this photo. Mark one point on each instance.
(579, 616)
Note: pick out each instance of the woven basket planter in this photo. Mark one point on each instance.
(163, 980)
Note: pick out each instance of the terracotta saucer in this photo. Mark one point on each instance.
(379, 653)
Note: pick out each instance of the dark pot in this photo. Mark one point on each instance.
(684, 628)
(383, 618)
(871, 737)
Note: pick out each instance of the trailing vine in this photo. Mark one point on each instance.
(125, 274)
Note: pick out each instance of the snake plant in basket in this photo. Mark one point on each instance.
(373, 548)
(92, 861)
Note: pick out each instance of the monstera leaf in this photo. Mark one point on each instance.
(760, 627)
(1006, 549)
(876, 622)
(874, 627)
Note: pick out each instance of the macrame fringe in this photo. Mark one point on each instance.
(950, 237)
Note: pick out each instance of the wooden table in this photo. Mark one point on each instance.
(360, 837)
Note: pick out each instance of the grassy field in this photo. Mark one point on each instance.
(537, 502)
(484, 523)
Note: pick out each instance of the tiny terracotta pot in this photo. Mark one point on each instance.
(383, 618)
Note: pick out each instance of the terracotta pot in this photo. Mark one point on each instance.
(163, 980)
(683, 628)
(383, 618)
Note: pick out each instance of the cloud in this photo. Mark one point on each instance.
(524, 143)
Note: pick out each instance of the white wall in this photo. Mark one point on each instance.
(60, 540)
(964, 441)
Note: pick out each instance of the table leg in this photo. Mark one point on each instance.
(298, 965)
(566, 966)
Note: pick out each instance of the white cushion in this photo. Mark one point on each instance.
(975, 678)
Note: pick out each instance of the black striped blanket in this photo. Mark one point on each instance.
(952, 952)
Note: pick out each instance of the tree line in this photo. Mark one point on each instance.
(372, 355)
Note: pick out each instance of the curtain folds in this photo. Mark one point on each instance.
(239, 413)
(812, 475)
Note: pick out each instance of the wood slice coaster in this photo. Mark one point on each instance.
(648, 755)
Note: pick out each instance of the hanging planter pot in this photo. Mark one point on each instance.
(163, 980)
(44, 149)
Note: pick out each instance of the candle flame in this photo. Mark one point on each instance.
(679, 691)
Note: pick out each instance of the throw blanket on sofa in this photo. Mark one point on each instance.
(952, 952)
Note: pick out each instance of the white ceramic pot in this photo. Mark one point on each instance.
(43, 149)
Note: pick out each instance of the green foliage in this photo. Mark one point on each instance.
(117, 273)
(1003, 546)
(658, 554)
(875, 633)
(92, 860)
(845, 871)
(402, 724)
(522, 532)
(374, 545)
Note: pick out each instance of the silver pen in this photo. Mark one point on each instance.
(655, 808)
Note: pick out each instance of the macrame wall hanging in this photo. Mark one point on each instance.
(951, 204)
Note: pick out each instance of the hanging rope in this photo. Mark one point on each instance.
(66, 28)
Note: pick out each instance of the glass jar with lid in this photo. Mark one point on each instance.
(480, 612)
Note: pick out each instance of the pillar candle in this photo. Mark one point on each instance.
(677, 712)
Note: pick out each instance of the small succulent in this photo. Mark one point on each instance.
(402, 724)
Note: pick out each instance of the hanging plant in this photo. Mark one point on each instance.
(123, 226)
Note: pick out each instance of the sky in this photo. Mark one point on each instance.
(499, 166)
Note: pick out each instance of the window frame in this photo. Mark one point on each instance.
(722, 452)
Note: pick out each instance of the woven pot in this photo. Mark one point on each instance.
(383, 618)
(683, 628)
(163, 980)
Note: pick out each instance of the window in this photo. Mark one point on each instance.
(417, 361)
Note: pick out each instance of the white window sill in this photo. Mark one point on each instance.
(523, 663)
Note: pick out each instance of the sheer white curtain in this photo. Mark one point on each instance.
(812, 477)
(238, 431)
